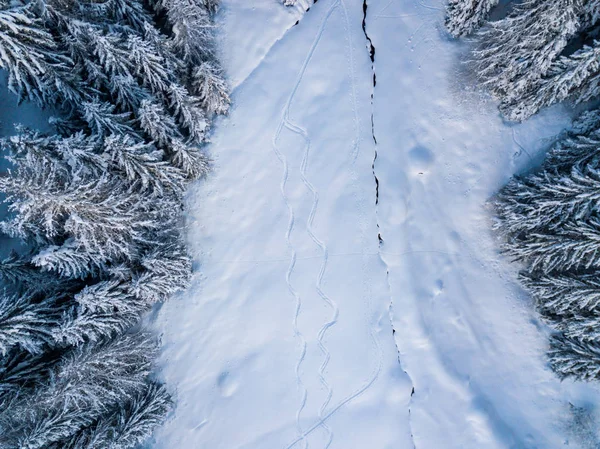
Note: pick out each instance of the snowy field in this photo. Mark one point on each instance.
(349, 293)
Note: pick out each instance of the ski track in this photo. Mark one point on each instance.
(332, 304)
(322, 417)
(285, 122)
(295, 295)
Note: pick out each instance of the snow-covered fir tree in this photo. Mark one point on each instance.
(516, 51)
(551, 223)
(126, 425)
(575, 77)
(590, 13)
(541, 53)
(574, 358)
(210, 87)
(465, 16)
(85, 384)
(28, 323)
(30, 55)
(99, 206)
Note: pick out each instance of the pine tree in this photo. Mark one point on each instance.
(551, 224)
(28, 323)
(69, 260)
(144, 166)
(97, 217)
(529, 59)
(192, 29)
(211, 89)
(186, 109)
(549, 199)
(212, 6)
(565, 294)
(103, 311)
(99, 206)
(516, 51)
(29, 54)
(576, 77)
(591, 13)
(22, 371)
(167, 270)
(573, 358)
(190, 159)
(19, 276)
(126, 426)
(102, 119)
(87, 383)
(465, 16)
(121, 12)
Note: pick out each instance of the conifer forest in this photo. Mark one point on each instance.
(300, 224)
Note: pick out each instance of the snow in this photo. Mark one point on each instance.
(302, 329)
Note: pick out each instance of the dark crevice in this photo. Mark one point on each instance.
(364, 27)
(376, 180)
(371, 48)
(372, 56)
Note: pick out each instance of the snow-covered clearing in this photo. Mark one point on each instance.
(344, 300)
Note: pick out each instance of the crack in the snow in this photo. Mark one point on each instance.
(379, 237)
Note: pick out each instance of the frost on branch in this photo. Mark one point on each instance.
(210, 87)
(465, 16)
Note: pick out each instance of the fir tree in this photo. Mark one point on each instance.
(86, 384)
(30, 55)
(465, 16)
(192, 30)
(27, 323)
(166, 271)
(22, 371)
(576, 77)
(103, 310)
(573, 358)
(99, 206)
(551, 225)
(210, 87)
(126, 426)
(565, 294)
(189, 159)
(513, 53)
(591, 13)
(530, 59)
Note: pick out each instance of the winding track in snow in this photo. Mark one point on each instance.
(288, 274)
(329, 301)
(285, 122)
(354, 155)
